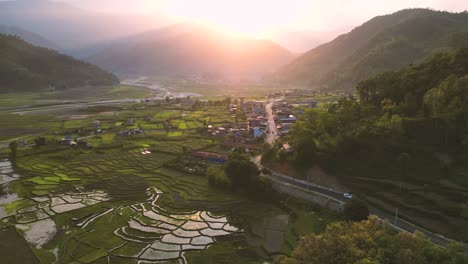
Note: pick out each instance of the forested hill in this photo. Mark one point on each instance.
(409, 128)
(24, 67)
(28, 36)
(384, 43)
(438, 87)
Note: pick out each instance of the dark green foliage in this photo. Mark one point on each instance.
(24, 67)
(40, 141)
(405, 89)
(401, 141)
(241, 171)
(216, 178)
(14, 249)
(371, 242)
(242, 175)
(384, 43)
(13, 151)
(356, 210)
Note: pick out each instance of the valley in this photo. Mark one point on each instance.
(257, 132)
(80, 195)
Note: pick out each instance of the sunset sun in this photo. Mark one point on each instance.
(255, 18)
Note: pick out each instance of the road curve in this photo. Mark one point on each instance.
(397, 223)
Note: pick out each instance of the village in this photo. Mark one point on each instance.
(251, 123)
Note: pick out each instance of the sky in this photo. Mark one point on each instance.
(261, 17)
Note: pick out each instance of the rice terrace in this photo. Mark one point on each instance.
(120, 183)
(233, 132)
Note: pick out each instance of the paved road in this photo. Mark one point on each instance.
(399, 224)
(396, 222)
(271, 135)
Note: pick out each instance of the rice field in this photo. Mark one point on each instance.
(123, 202)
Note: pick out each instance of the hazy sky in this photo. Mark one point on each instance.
(261, 17)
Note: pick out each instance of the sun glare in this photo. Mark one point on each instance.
(253, 17)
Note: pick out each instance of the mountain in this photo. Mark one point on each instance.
(28, 36)
(71, 27)
(187, 49)
(384, 43)
(24, 67)
(301, 41)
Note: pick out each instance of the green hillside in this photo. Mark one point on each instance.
(384, 43)
(403, 144)
(24, 67)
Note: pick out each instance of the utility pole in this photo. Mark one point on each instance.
(396, 215)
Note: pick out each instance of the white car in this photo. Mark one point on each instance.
(348, 195)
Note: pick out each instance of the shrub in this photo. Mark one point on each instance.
(356, 210)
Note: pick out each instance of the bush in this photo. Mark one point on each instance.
(356, 210)
(216, 178)
(241, 171)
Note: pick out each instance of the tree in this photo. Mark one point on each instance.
(305, 152)
(370, 242)
(39, 141)
(356, 210)
(403, 159)
(241, 171)
(13, 150)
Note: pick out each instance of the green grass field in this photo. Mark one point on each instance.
(115, 167)
(10, 100)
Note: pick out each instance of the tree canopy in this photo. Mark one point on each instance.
(356, 210)
(371, 242)
(241, 171)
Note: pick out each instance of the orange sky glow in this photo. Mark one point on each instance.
(262, 17)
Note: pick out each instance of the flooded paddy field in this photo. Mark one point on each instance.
(112, 204)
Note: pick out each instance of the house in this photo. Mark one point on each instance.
(259, 110)
(96, 123)
(287, 148)
(130, 122)
(257, 132)
(66, 140)
(289, 119)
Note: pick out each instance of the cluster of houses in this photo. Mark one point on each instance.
(129, 132)
(247, 132)
(284, 117)
(75, 142)
(256, 117)
(237, 131)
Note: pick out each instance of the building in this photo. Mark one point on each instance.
(210, 156)
(257, 132)
(287, 148)
(288, 120)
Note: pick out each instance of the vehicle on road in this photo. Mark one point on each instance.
(348, 195)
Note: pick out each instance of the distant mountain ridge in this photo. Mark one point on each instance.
(70, 27)
(187, 49)
(28, 36)
(24, 67)
(381, 44)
